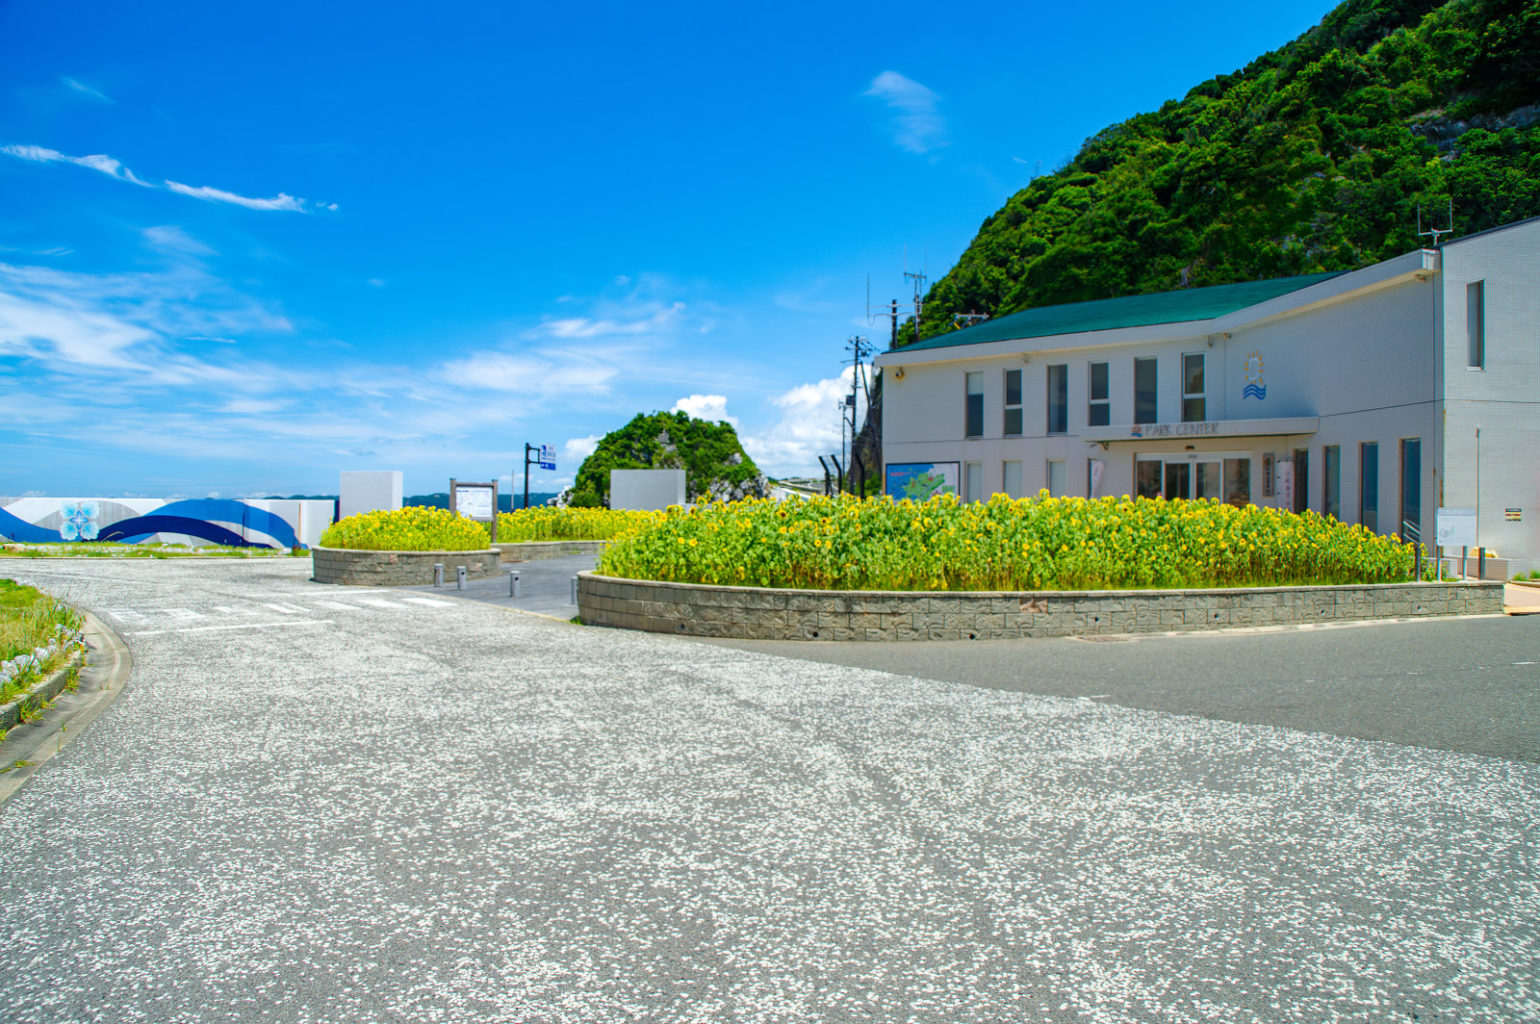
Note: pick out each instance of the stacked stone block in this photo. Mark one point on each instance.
(397, 568)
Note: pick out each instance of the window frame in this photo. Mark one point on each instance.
(1476, 325)
(1058, 403)
(1153, 392)
(973, 420)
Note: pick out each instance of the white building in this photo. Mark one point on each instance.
(1360, 395)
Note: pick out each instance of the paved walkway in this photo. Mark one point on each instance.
(330, 804)
(545, 586)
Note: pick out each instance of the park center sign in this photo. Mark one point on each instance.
(1271, 427)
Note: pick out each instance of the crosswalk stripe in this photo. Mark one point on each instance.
(286, 609)
(336, 606)
(378, 602)
(427, 602)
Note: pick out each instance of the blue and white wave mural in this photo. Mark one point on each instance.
(265, 522)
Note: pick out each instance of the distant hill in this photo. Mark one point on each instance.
(505, 502)
(711, 455)
(1311, 158)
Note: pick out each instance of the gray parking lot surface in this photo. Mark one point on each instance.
(335, 804)
(1468, 685)
(545, 586)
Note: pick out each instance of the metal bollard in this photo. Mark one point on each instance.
(1418, 576)
(574, 590)
(459, 577)
(1481, 563)
(513, 583)
(438, 574)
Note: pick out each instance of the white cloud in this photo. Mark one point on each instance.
(115, 169)
(576, 449)
(535, 374)
(808, 426)
(172, 238)
(705, 407)
(917, 126)
(95, 161)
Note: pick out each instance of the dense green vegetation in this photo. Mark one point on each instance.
(714, 461)
(37, 635)
(541, 523)
(1311, 158)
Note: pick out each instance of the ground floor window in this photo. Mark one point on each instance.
(1411, 489)
(1331, 481)
(1369, 485)
(973, 481)
(1225, 477)
(1012, 478)
(1056, 478)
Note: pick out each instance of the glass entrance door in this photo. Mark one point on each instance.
(1183, 476)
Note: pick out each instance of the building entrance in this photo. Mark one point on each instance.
(1191, 475)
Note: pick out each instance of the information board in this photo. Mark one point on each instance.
(920, 480)
(1455, 527)
(473, 500)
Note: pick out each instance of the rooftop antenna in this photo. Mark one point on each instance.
(968, 319)
(1434, 232)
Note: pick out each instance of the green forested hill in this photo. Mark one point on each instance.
(710, 453)
(1311, 158)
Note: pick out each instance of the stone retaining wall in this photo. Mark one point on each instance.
(531, 550)
(396, 568)
(766, 614)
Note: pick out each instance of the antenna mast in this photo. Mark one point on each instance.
(1434, 232)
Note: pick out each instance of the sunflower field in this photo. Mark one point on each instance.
(413, 528)
(546, 522)
(1041, 543)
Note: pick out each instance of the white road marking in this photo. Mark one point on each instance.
(379, 602)
(286, 609)
(124, 614)
(428, 602)
(181, 614)
(337, 606)
(244, 625)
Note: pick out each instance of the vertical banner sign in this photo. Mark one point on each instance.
(1283, 471)
(1098, 467)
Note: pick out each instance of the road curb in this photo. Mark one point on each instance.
(107, 667)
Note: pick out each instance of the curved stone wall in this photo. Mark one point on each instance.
(768, 614)
(532, 550)
(397, 568)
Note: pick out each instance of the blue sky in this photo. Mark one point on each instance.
(243, 248)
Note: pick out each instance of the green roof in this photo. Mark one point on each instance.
(1129, 311)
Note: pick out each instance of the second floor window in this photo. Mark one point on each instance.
(973, 425)
(1012, 402)
(1193, 406)
(1099, 408)
(1144, 391)
(1058, 399)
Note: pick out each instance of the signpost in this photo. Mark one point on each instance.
(544, 457)
(476, 501)
(1455, 528)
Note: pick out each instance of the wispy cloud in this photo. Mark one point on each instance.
(917, 125)
(588, 327)
(115, 169)
(77, 86)
(96, 162)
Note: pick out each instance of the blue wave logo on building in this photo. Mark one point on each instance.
(1252, 369)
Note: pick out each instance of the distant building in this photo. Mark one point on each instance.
(1356, 394)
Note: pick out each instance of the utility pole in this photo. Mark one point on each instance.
(859, 348)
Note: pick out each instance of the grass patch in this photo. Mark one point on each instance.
(1042, 543)
(37, 635)
(107, 549)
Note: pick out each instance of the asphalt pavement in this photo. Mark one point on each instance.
(544, 586)
(332, 804)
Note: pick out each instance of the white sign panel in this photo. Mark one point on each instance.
(475, 502)
(1456, 527)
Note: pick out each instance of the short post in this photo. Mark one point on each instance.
(1419, 564)
(1481, 563)
(1464, 562)
(459, 577)
(513, 583)
(574, 590)
(438, 574)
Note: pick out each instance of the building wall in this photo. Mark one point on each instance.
(1503, 397)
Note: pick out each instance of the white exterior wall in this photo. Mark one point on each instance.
(1503, 399)
(1366, 354)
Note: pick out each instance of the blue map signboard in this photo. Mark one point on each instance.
(920, 480)
(547, 457)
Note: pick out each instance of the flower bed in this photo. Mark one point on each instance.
(545, 523)
(400, 548)
(1043, 543)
